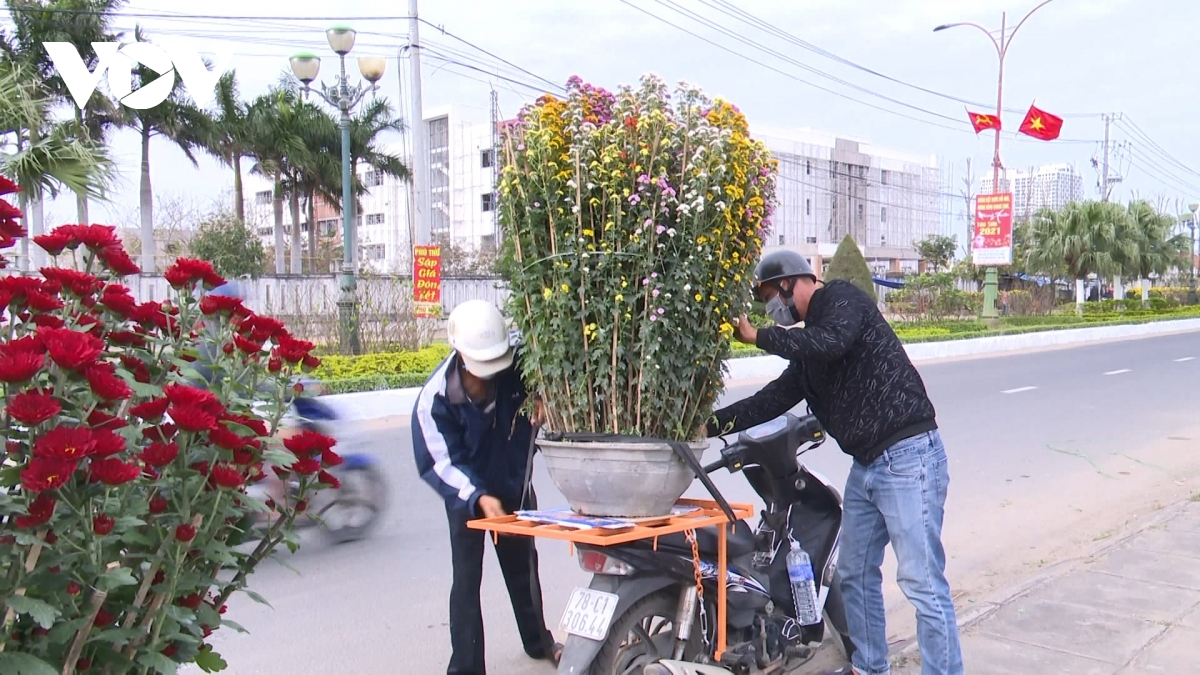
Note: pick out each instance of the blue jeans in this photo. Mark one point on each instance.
(900, 498)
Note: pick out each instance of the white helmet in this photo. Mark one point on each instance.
(477, 331)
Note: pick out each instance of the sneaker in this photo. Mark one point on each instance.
(844, 670)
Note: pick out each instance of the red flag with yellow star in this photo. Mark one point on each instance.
(981, 121)
(1041, 124)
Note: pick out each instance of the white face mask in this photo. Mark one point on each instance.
(780, 312)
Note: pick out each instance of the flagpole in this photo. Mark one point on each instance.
(991, 277)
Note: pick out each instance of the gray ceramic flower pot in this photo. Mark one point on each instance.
(630, 480)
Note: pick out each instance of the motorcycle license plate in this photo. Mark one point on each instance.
(589, 613)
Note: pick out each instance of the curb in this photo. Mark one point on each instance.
(909, 648)
(369, 405)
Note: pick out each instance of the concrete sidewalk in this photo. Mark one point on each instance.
(1131, 607)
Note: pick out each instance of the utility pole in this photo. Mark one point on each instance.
(420, 135)
(495, 166)
(1104, 169)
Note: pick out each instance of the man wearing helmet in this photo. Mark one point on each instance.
(850, 367)
(471, 443)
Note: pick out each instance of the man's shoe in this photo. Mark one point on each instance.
(844, 670)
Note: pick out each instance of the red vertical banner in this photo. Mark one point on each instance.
(993, 240)
(427, 281)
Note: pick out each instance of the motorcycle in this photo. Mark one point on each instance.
(348, 513)
(646, 595)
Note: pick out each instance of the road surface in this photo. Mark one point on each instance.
(1049, 452)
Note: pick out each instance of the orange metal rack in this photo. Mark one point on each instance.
(707, 514)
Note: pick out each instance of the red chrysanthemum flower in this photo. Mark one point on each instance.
(66, 443)
(70, 349)
(192, 419)
(153, 409)
(247, 345)
(225, 476)
(105, 617)
(141, 372)
(108, 443)
(161, 433)
(95, 237)
(20, 366)
(112, 471)
(40, 511)
(118, 261)
(243, 456)
(308, 442)
(11, 230)
(39, 301)
(260, 328)
(102, 524)
(184, 395)
(275, 364)
(33, 407)
(48, 320)
(53, 243)
(118, 299)
(158, 504)
(13, 447)
(330, 459)
(102, 420)
(293, 350)
(7, 187)
(311, 362)
(187, 271)
(222, 437)
(126, 338)
(254, 424)
(102, 377)
(219, 304)
(306, 466)
(8, 211)
(192, 601)
(46, 474)
(73, 588)
(185, 533)
(78, 283)
(328, 479)
(160, 454)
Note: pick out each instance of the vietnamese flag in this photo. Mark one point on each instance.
(1041, 124)
(981, 121)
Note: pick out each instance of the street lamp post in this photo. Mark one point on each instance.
(991, 280)
(344, 97)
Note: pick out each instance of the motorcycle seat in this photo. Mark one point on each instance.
(740, 541)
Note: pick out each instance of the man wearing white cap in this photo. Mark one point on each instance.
(471, 442)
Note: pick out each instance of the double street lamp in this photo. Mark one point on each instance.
(1001, 44)
(306, 66)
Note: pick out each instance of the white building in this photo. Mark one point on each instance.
(1050, 186)
(829, 187)
(462, 173)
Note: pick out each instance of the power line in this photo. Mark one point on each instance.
(1137, 130)
(447, 33)
(223, 17)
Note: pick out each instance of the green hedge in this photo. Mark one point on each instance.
(394, 370)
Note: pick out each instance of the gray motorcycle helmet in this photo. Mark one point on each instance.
(230, 289)
(779, 265)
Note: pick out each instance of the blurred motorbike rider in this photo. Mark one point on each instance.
(850, 367)
(471, 443)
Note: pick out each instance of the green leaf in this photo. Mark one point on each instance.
(141, 389)
(183, 615)
(210, 661)
(207, 616)
(158, 663)
(10, 476)
(117, 636)
(135, 537)
(280, 458)
(65, 630)
(115, 578)
(17, 663)
(126, 522)
(26, 538)
(257, 598)
(39, 610)
(234, 625)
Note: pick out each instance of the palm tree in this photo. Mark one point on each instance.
(1076, 241)
(276, 139)
(177, 119)
(35, 22)
(1157, 250)
(229, 137)
(373, 120)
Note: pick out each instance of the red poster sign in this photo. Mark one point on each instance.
(427, 281)
(992, 243)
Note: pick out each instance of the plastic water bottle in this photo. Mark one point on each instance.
(804, 587)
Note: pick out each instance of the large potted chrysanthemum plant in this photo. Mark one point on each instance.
(125, 521)
(632, 223)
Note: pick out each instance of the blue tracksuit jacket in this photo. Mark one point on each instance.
(465, 452)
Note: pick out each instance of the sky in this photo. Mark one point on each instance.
(862, 69)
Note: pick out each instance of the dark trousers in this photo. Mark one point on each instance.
(518, 562)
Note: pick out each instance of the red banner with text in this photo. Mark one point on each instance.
(427, 281)
(992, 243)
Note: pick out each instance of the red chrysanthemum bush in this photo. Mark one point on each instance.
(125, 524)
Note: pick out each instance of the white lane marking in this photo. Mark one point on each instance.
(1118, 372)
(1186, 358)
(1017, 390)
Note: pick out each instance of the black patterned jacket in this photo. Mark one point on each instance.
(850, 367)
